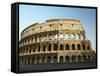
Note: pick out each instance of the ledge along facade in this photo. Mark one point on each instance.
(55, 41)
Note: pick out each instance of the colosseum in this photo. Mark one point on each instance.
(55, 41)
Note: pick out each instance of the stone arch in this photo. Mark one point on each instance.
(43, 60)
(55, 36)
(61, 59)
(37, 60)
(67, 59)
(89, 58)
(77, 36)
(33, 60)
(50, 36)
(79, 58)
(72, 36)
(44, 48)
(48, 59)
(66, 36)
(84, 47)
(73, 46)
(61, 36)
(88, 47)
(61, 47)
(78, 47)
(55, 59)
(38, 48)
(67, 46)
(49, 47)
(55, 47)
(73, 58)
(84, 58)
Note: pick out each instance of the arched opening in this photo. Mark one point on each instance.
(28, 59)
(37, 60)
(82, 37)
(44, 48)
(33, 60)
(34, 48)
(88, 47)
(79, 58)
(73, 58)
(89, 58)
(43, 60)
(50, 36)
(67, 59)
(55, 36)
(48, 59)
(61, 59)
(39, 48)
(84, 58)
(73, 47)
(66, 36)
(84, 47)
(61, 36)
(55, 59)
(67, 47)
(55, 47)
(61, 46)
(72, 36)
(77, 36)
(78, 47)
(49, 47)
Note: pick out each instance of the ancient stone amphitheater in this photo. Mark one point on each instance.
(55, 41)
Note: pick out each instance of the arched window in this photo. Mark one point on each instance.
(72, 36)
(77, 36)
(39, 48)
(79, 58)
(61, 36)
(84, 58)
(55, 47)
(44, 48)
(78, 47)
(67, 58)
(84, 47)
(49, 47)
(61, 46)
(88, 47)
(82, 37)
(55, 59)
(67, 47)
(48, 59)
(43, 59)
(37, 60)
(66, 36)
(73, 47)
(61, 59)
(55, 36)
(73, 58)
(33, 60)
(50, 37)
(89, 58)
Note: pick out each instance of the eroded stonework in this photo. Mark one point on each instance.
(55, 41)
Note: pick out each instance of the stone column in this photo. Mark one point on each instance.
(51, 59)
(63, 58)
(58, 59)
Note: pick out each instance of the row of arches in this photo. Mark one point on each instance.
(54, 47)
(55, 59)
(56, 36)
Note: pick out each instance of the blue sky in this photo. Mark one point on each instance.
(29, 14)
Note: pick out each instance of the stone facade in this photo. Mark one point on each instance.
(55, 41)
